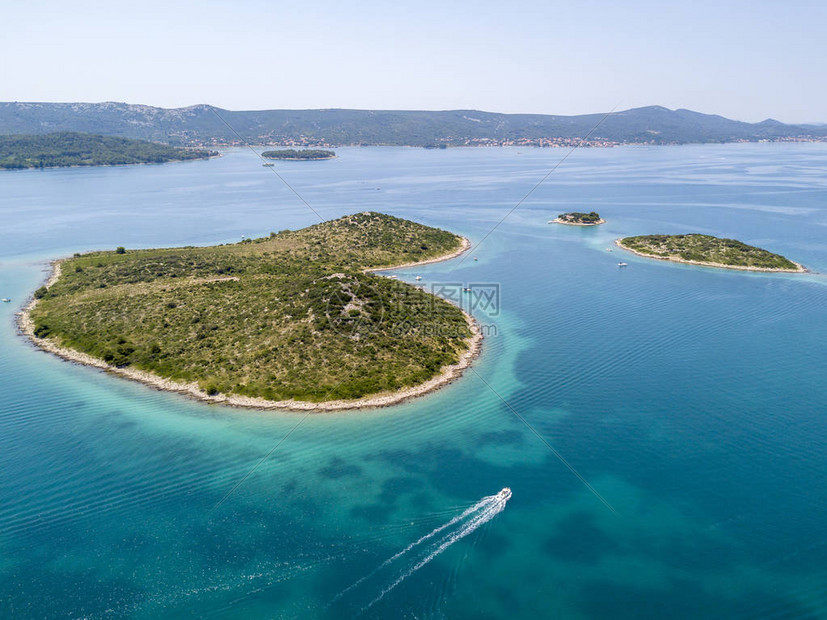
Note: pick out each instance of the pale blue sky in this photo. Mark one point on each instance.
(746, 60)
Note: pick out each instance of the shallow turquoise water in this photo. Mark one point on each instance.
(693, 401)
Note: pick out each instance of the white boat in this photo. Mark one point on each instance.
(6, 300)
(622, 265)
(418, 277)
(505, 493)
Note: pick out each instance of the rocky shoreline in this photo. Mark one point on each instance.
(448, 374)
(674, 259)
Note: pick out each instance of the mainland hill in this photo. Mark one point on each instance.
(290, 320)
(205, 124)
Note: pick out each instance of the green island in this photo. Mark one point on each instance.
(299, 155)
(295, 318)
(82, 149)
(575, 218)
(709, 251)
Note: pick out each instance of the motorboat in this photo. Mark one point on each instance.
(505, 494)
(622, 265)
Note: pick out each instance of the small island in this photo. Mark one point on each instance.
(295, 320)
(708, 251)
(299, 155)
(65, 149)
(576, 218)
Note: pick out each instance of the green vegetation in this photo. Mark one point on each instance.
(707, 249)
(81, 149)
(576, 217)
(299, 155)
(290, 316)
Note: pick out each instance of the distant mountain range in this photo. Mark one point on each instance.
(208, 125)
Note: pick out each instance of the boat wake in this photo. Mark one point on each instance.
(406, 562)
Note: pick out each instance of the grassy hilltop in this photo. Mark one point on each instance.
(292, 316)
(706, 249)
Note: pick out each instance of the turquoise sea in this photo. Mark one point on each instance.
(693, 400)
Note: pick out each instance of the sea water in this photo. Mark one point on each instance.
(692, 400)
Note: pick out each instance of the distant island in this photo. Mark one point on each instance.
(82, 149)
(299, 155)
(575, 218)
(294, 320)
(199, 125)
(708, 251)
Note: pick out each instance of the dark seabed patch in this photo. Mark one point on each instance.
(577, 538)
(338, 468)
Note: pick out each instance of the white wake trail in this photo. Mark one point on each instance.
(427, 547)
(488, 513)
(423, 539)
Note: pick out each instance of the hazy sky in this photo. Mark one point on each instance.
(746, 60)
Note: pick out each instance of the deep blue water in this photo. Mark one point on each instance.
(693, 401)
